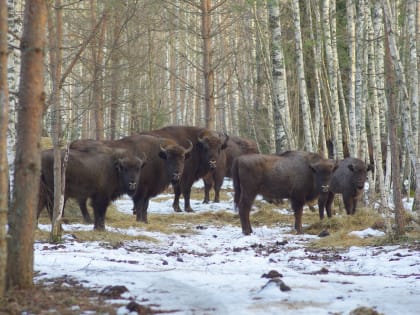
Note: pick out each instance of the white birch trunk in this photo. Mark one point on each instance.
(413, 72)
(351, 33)
(375, 119)
(282, 124)
(303, 94)
(405, 103)
(332, 76)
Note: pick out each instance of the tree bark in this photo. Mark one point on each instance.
(303, 91)
(332, 76)
(394, 71)
(207, 63)
(56, 39)
(27, 162)
(4, 121)
(282, 122)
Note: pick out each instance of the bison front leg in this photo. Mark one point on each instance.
(141, 210)
(187, 194)
(84, 210)
(99, 210)
(207, 186)
(177, 194)
(297, 207)
(348, 203)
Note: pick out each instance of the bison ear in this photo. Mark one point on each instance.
(187, 155)
(163, 155)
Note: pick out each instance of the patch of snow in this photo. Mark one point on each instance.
(218, 270)
(369, 232)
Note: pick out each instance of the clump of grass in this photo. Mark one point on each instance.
(339, 228)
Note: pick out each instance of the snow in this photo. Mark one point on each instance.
(219, 271)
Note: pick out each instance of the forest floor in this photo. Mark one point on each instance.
(205, 253)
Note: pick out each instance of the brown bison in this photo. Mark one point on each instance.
(102, 176)
(165, 165)
(207, 145)
(236, 146)
(276, 177)
(348, 180)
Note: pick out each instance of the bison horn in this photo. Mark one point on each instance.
(162, 148)
(142, 161)
(201, 140)
(190, 147)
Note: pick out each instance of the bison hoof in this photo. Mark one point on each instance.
(177, 210)
(247, 232)
(205, 201)
(189, 210)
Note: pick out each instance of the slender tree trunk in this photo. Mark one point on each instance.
(375, 119)
(27, 163)
(394, 69)
(56, 39)
(303, 93)
(207, 63)
(413, 72)
(332, 76)
(351, 31)
(115, 80)
(282, 122)
(4, 121)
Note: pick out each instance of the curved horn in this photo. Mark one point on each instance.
(162, 148)
(199, 139)
(190, 147)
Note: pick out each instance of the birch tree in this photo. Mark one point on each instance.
(282, 123)
(27, 162)
(4, 121)
(351, 33)
(401, 85)
(303, 94)
(332, 77)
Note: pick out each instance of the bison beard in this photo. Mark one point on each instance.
(276, 177)
(102, 176)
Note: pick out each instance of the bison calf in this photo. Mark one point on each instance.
(348, 180)
(276, 177)
(102, 176)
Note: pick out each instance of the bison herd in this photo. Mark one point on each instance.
(144, 165)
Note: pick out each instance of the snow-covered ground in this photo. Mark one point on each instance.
(219, 270)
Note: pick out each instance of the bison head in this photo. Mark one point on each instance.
(210, 144)
(174, 156)
(129, 169)
(323, 171)
(358, 171)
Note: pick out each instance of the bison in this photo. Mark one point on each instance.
(275, 177)
(165, 165)
(236, 146)
(101, 175)
(207, 145)
(348, 180)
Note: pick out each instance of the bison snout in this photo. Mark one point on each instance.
(325, 188)
(176, 176)
(132, 186)
(212, 164)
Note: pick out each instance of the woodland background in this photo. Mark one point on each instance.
(289, 74)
